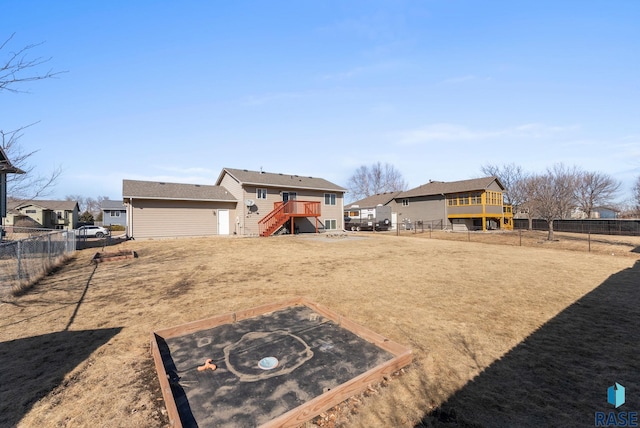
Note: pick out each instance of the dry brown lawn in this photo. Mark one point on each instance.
(503, 335)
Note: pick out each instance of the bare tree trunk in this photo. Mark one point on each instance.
(550, 236)
(530, 218)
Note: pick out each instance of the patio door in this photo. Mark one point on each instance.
(289, 196)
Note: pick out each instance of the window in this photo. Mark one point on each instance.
(494, 198)
(405, 202)
(329, 198)
(114, 213)
(261, 193)
(330, 224)
(30, 211)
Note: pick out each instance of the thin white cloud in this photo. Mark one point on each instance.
(382, 67)
(446, 132)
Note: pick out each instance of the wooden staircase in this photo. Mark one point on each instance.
(287, 211)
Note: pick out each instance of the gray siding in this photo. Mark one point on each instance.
(109, 219)
(171, 219)
(252, 215)
(423, 208)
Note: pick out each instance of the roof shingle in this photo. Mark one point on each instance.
(288, 181)
(174, 191)
(375, 200)
(440, 187)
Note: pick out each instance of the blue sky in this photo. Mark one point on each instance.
(175, 91)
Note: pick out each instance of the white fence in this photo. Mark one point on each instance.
(26, 259)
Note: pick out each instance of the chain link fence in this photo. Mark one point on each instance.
(595, 226)
(25, 260)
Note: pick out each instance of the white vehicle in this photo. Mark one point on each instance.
(91, 232)
(377, 218)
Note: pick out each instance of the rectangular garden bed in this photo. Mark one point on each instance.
(279, 364)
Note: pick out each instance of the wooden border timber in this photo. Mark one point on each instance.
(110, 257)
(402, 357)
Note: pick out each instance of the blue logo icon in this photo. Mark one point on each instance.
(615, 395)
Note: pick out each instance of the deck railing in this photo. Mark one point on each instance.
(283, 211)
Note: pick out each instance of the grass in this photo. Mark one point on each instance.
(502, 334)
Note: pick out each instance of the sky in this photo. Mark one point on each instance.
(175, 91)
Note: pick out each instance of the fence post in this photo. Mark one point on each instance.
(18, 251)
(49, 247)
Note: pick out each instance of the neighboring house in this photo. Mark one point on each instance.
(241, 202)
(5, 168)
(371, 202)
(113, 213)
(475, 204)
(43, 214)
(596, 213)
(268, 202)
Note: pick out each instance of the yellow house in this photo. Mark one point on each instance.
(475, 204)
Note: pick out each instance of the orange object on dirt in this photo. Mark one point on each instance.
(207, 365)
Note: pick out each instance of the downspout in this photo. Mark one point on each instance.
(130, 219)
(445, 219)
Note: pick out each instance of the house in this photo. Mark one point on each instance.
(475, 204)
(5, 168)
(170, 210)
(268, 202)
(242, 202)
(46, 214)
(370, 204)
(113, 213)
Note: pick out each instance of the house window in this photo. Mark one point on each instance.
(494, 198)
(261, 193)
(60, 215)
(330, 224)
(329, 198)
(405, 202)
(114, 213)
(30, 211)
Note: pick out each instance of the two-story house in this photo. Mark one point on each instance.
(242, 202)
(46, 214)
(475, 204)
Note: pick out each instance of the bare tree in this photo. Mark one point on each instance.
(636, 195)
(88, 204)
(32, 184)
(514, 179)
(593, 189)
(374, 179)
(552, 194)
(17, 63)
(18, 68)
